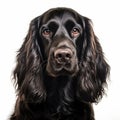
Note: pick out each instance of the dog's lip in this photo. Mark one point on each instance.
(62, 67)
(62, 71)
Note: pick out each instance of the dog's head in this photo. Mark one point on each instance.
(61, 30)
(64, 42)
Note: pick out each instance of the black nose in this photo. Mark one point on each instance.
(63, 56)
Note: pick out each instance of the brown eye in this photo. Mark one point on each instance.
(46, 32)
(75, 32)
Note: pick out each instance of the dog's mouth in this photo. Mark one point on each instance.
(62, 71)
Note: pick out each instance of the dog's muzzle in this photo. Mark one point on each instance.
(62, 61)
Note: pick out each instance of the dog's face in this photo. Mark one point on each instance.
(60, 32)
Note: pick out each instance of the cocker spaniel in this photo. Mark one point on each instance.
(60, 68)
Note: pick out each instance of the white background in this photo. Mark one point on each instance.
(15, 17)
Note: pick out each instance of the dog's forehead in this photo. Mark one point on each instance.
(61, 15)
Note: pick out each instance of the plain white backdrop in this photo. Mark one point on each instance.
(15, 16)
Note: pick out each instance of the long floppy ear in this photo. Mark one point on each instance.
(94, 70)
(28, 71)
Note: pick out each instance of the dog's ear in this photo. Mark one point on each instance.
(93, 67)
(28, 71)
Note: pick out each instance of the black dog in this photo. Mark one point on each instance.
(60, 69)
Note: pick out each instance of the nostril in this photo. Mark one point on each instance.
(68, 55)
(59, 55)
(63, 55)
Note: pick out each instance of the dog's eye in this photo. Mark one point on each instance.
(46, 32)
(75, 32)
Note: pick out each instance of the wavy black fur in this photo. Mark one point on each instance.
(43, 94)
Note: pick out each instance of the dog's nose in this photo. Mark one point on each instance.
(63, 56)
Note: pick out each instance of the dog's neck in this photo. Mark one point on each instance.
(57, 90)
